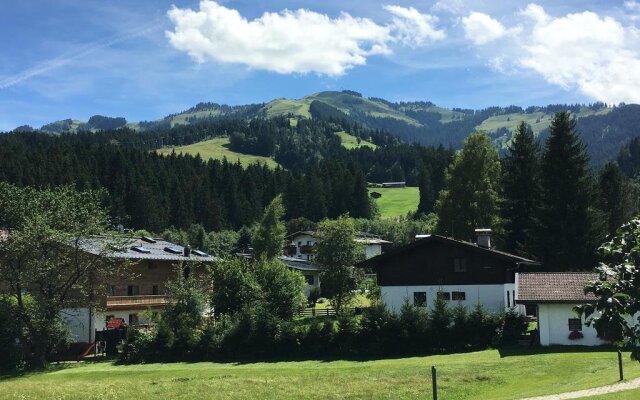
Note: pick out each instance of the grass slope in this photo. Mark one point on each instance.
(538, 120)
(218, 148)
(351, 142)
(397, 202)
(478, 375)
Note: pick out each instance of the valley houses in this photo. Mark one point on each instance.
(457, 271)
(153, 262)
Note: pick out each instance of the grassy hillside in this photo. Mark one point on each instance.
(538, 120)
(478, 375)
(397, 202)
(351, 142)
(218, 148)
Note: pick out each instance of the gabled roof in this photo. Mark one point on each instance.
(443, 239)
(553, 287)
(299, 264)
(139, 248)
(361, 237)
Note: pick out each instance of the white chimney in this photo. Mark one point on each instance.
(484, 238)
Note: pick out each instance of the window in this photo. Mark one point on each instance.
(309, 279)
(508, 298)
(420, 299)
(111, 290)
(459, 265)
(444, 296)
(133, 290)
(155, 290)
(133, 319)
(459, 296)
(575, 324)
(308, 242)
(299, 243)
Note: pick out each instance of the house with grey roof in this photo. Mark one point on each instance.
(308, 269)
(553, 295)
(150, 264)
(301, 244)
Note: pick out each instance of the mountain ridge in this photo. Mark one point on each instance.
(604, 127)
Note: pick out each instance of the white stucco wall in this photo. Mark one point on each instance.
(77, 320)
(372, 250)
(553, 326)
(492, 297)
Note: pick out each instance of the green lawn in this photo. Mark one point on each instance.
(479, 375)
(397, 202)
(351, 142)
(217, 148)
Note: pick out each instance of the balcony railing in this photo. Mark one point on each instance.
(134, 302)
(306, 249)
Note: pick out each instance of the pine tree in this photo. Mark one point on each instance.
(427, 195)
(521, 190)
(565, 236)
(471, 198)
(614, 197)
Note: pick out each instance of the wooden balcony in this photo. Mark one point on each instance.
(115, 303)
(306, 249)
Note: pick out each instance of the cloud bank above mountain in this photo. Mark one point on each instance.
(300, 41)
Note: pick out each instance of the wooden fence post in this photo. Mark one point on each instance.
(434, 383)
(620, 365)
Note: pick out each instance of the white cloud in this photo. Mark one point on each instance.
(632, 5)
(413, 28)
(596, 54)
(481, 29)
(299, 41)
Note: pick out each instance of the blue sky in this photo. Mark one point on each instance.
(146, 59)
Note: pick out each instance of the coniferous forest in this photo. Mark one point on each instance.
(541, 194)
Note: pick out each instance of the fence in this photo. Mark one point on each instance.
(321, 312)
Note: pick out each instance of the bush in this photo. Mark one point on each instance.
(514, 325)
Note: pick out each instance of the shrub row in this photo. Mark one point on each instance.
(254, 334)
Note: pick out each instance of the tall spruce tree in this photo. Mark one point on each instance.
(427, 195)
(565, 238)
(471, 198)
(614, 197)
(521, 190)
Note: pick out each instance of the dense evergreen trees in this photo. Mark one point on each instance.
(521, 190)
(566, 237)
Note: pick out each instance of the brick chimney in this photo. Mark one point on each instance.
(483, 237)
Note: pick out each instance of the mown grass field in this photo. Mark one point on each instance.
(351, 142)
(478, 375)
(397, 202)
(218, 148)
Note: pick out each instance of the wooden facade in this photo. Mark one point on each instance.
(437, 260)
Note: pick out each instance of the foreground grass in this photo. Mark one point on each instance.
(479, 375)
(396, 202)
(217, 149)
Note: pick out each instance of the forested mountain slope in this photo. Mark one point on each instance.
(604, 127)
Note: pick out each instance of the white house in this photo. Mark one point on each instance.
(554, 295)
(309, 270)
(301, 244)
(457, 271)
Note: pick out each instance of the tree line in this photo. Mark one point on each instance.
(544, 201)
